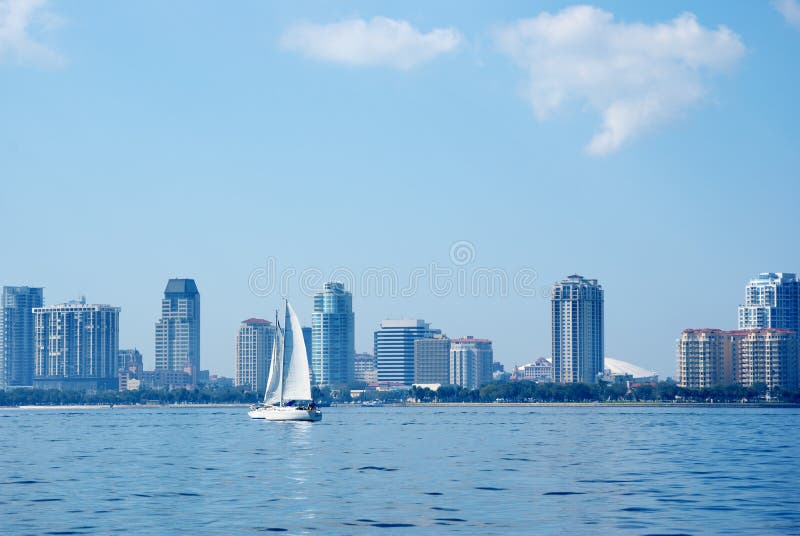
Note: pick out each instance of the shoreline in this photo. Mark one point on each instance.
(605, 404)
(754, 405)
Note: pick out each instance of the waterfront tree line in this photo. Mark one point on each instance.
(666, 391)
(521, 391)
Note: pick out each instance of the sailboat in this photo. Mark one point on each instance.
(288, 393)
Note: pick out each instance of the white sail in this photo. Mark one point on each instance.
(297, 383)
(273, 394)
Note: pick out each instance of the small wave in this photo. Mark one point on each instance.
(376, 468)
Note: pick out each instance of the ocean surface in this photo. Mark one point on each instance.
(422, 470)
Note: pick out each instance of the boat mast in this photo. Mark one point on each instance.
(283, 343)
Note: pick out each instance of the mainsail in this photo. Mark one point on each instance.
(297, 380)
(274, 392)
(289, 377)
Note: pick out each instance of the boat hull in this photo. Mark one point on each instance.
(285, 413)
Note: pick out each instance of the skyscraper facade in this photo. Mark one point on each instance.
(77, 346)
(471, 362)
(253, 353)
(17, 351)
(432, 360)
(577, 330)
(332, 336)
(771, 300)
(178, 329)
(394, 349)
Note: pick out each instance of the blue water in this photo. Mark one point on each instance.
(401, 470)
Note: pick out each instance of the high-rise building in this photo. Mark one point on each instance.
(577, 324)
(704, 358)
(771, 300)
(77, 346)
(394, 349)
(332, 336)
(253, 353)
(364, 369)
(432, 360)
(178, 329)
(17, 352)
(471, 362)
(709, 357)
(765, 356)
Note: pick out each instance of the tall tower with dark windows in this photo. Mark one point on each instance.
(577, 330)
(332, 336)
(394, 348)
(178, 329)
(771, 300)
(17, 351)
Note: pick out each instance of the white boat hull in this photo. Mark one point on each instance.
(285, 413)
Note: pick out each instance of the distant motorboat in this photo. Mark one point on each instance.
(372, 404)
(288, 393)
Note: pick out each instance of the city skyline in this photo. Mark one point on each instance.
(762, 279)
(254, 142)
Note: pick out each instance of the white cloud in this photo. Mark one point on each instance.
(379, 41)
(19, 21)
(636, 76)
(790, 9)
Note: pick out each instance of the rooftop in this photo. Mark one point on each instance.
(471, 339)
(181, 286)
(256, 321)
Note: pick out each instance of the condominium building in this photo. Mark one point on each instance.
(76, 346)
(577, 330)
(332, 336)
(254, 342)
(765, 356)
(772, 300)
(704, 358)
(364, 369)
(17, 352)
(709, 357)
(394, 349)
(471, 362)
(432, 360)
(178, 329)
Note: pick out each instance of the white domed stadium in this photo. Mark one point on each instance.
(616, 367)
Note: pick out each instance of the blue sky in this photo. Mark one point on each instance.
(146, 140)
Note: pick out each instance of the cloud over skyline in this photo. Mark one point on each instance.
(380, 41)
(790, 10)
(636, 76)
(21, 21)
